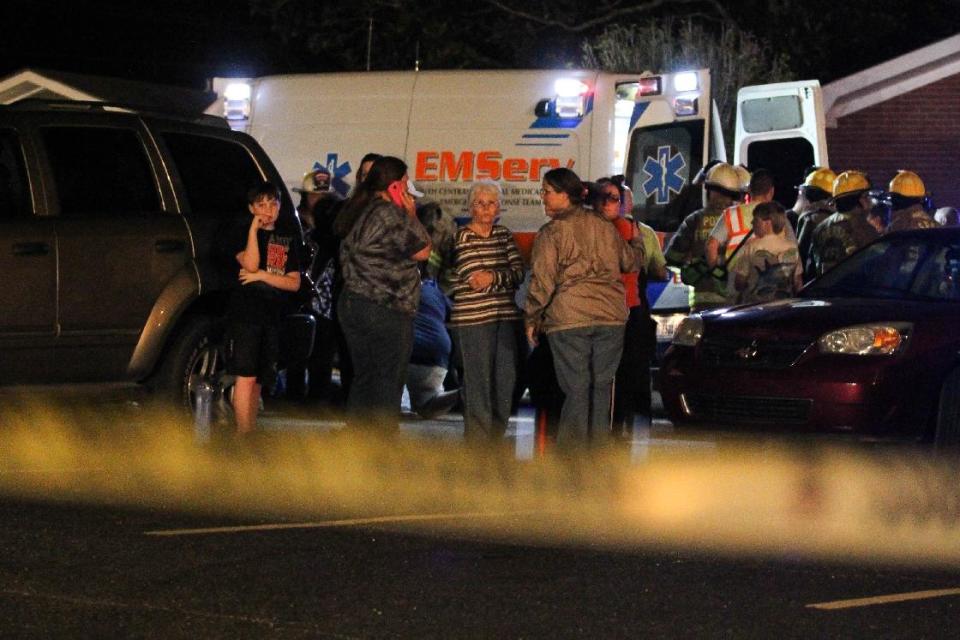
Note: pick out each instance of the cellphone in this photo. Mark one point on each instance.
(396, 190)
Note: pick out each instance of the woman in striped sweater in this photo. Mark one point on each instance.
(485, 319)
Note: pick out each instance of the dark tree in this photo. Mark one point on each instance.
(444, 35)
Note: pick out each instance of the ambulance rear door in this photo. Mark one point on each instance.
(780, 128)
(674, 130)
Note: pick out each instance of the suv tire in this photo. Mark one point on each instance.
(197, 354)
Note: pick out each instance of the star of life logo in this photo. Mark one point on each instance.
(663, 175)
(337, 172)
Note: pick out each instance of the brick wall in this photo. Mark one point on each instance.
(919, 130)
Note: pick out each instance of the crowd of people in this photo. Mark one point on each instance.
(405, 298)
(742, 247)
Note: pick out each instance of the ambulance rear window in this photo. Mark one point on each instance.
(662, 161)
(771, 114)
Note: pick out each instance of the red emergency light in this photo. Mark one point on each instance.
(649, 86)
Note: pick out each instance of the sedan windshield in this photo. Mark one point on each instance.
(910, 268)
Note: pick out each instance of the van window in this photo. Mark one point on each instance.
(215, 173)
(662, 162)
(771, 114)
(100, 170)
(14, 188)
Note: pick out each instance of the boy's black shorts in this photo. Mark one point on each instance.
(252, 351)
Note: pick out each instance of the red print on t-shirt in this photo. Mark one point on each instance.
(276, 258)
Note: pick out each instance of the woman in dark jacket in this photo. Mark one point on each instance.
(381, 292)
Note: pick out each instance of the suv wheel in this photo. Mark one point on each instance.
(197, 357)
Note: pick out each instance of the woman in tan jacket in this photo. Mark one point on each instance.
(576, 297)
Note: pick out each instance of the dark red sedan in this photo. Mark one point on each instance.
(871, 348)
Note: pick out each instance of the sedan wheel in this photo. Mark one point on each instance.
(947, 435)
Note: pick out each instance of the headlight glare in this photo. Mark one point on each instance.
(881, 339)
(689, 332)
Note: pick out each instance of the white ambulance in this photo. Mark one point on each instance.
(451, 127)
(455, 127)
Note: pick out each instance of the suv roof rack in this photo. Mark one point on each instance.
(37, 104)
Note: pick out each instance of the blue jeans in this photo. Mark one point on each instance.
(489, 355)
(380, 341)
(586, 362)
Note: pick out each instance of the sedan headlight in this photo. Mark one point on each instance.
(689, 332)
(879, 339)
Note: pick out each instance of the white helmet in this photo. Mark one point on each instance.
(723, 176)
(744, 175)
(315, 181)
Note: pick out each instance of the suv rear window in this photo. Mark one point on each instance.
(100, 170)
(14, 191)
(215, 173)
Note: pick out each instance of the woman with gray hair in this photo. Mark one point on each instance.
(485, 320)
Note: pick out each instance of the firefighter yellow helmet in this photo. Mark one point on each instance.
(907, 184)
(743, 175)
(850, 182)
(821, 179)
(723, 176)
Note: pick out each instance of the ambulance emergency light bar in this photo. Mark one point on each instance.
(686, 84)
(571, 98)
(686, 81)
(237, 91)
(649, 86)
(686, 106)
(236, 101)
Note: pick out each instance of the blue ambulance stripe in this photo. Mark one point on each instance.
(654, 291)
(638, 109)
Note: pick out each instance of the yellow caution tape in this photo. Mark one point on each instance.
(890, 505)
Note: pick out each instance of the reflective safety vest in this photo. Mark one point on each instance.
(738, 220)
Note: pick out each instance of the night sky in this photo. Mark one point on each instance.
(171, 41)
(187, 41)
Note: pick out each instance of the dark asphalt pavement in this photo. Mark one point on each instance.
(73, 572)
(94, 547)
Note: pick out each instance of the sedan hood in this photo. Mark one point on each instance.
(798, 318)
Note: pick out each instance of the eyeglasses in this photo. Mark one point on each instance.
(609, 197)
(480, 204)
(544, 192)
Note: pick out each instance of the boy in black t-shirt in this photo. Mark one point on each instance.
(269, 266)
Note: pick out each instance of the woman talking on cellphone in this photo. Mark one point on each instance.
(381, 292)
